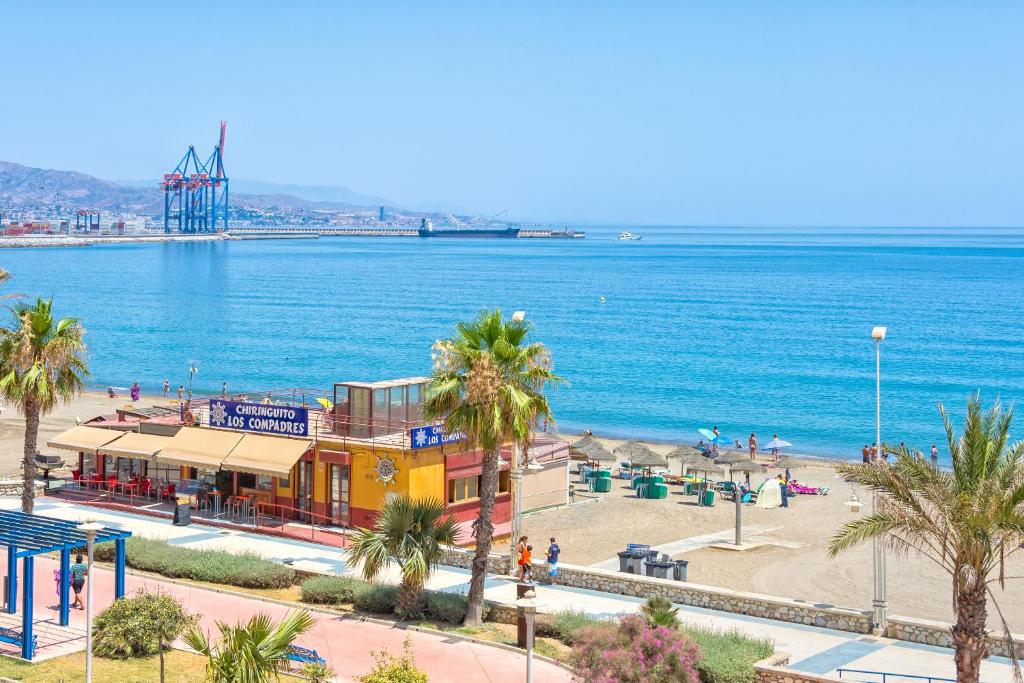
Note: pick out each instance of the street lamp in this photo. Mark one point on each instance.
(527, 607)
(90, 527)
(193, 370)
(879, 604)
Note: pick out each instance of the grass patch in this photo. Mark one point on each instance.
(181, 667)
(728, 656)
(565, 625)
(213, 566)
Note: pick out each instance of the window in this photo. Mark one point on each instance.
(463, 488)
(263, 482)
(414, 401)
(246, 480)
(397, 413)
(504, 481)
(124, 468)
(168, 473)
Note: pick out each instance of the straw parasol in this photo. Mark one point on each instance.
(580, 444)
(732, 458)
(631, 449)
(595, 452)
(745, 466)
(689, 458)
(787, 462)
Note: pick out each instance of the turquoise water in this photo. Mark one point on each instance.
(763, 330)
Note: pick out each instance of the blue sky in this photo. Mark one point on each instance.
(716, 113)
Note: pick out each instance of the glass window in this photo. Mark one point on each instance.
(208, 477)
(397, 413)
(473, 487)
(167, 473)
(504, 482)
(463, 488)
(123, 468)
(414, 400)
(88, 464)
(359, 411)
(246, 480)
(263, 482)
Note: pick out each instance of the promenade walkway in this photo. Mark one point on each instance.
(814, 650)
(346, 644)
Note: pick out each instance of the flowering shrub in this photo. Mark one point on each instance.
(634, 652)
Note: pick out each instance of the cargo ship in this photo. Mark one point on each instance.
(427, 230)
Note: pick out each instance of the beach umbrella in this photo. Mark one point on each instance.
(746, 466)
(596, 453)
(731, 458)
(688, 456)
(776, 443)
(585, 441)
(325, 402)
(788, 463)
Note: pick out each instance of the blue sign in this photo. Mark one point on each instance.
(432, 435)
(259, 417)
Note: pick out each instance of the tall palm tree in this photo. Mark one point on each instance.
(488, 384)
(42, 361)
(251, 652)
(968, 520)
(413, 533)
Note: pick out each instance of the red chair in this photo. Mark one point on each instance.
(111, 483)
(167, 492)
(145, 487)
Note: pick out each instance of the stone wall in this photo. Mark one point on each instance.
(938, 633)
(463, 559)
(708, 597)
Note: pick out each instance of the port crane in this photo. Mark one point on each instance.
(196, 193)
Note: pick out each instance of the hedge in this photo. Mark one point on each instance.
(246, 570)
(728, 656)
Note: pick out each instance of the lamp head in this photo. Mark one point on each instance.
(878, 333)
(519, 316)
(90, 526)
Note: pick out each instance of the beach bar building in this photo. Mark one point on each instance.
(331, 459)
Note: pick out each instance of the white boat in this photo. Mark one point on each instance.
(628, 236)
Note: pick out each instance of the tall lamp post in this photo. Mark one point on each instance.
(527, 607)
(879, 604)
(90, 527)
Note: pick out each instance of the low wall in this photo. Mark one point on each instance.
(938, 633)
(773, 670)
(463, 559)
(708, 597)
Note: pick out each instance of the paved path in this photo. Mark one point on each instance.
(813, 649)
(346, 644)
(751, 534)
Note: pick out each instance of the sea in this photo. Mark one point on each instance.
(752, 330)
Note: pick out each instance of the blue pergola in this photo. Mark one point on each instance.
(28, 535)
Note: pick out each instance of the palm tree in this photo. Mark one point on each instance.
(488, 384)
(253, 652)
(413, 533)
(968, 520)
(42, 361)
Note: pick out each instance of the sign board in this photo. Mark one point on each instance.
(259, 417)
(432, 435)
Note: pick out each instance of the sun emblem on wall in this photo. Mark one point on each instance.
(386, 470)
(217, 413)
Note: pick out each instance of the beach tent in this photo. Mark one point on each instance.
(769, 495)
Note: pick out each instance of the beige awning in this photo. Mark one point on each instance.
(196, 447)
(273, 456)
(135, 445)
(82, 438)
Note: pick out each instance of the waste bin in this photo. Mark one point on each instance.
(624, 556)
(679, 569)
(182, 513)
(659, 569)
(635, 565)
(601, 485)
(709, 497)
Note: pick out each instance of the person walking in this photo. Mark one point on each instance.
(136, 392)
(181, 393)
(572, 494)
(553, 552)
(167, 388)
(520, 554)
(79, 571)
(874, 452)
(775, 451)
(224, 390)
(865, 454)
(528, 564)
(752, 443)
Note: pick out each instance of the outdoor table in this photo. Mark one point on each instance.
(214, 502)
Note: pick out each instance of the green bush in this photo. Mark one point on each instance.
(448, 607)
(329, 590)
(391, 669)
(728, 657)
(373, 597)
(564, 625)
(138, 625)
(659, 611)
(214, 566)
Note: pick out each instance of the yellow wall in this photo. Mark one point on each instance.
(420, 474)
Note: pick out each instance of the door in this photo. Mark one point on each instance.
(304, 488)
(337, 494)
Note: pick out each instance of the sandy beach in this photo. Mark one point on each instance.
(793, 563)
(798, 567)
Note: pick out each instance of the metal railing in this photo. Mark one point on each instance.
(277, 511)
(887, 675)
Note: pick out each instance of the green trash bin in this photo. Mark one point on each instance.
(709, 497)
(602, 485)
(657, 491)
(604, 474)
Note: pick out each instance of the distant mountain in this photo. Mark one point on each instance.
(25, 187)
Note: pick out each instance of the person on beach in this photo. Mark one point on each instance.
(714, 444)
(865, 454)
(752, 443)
(136, 391)
(775, 451)
(79, 571)
(785, 492)
(935, 453)
(553, 552)
(874, 452)
(181, 393)
(520, 553)
(572, 494)
(167, 388)
(224, 390)
(528, 564)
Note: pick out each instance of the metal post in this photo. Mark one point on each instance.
(515, 481)
(90, 528)
(529, 647)
(65, 586)
(12, 579)
(739, 513)
(26, 608)
(119, 560)
(878, 545)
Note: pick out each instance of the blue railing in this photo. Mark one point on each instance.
(886, 675)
